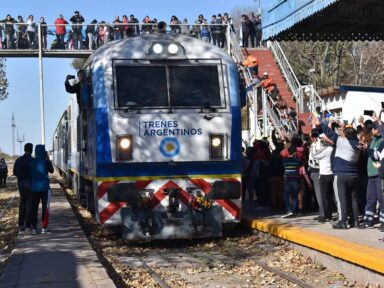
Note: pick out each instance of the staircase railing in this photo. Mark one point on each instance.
(270, 120)
(289, 74)
(306, 96)
(309, 99)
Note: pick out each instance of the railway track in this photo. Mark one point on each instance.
(239, 260)
(208, 269)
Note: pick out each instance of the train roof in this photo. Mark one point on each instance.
(137, 47)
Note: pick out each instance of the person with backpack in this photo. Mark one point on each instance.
(40, 167)
(3, 172)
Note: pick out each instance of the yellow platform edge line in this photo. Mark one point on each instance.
(365, 256)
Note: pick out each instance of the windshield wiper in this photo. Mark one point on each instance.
(208, 107)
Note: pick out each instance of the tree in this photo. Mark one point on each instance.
(78, 63)
(3, 81)
(328, 64)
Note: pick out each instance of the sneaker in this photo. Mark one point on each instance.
(322, 220)
(44, 230)
(365, 225)
(34, 231)
(289, 214)
(21, 229)
(340, 225)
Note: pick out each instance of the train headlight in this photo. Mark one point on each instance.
(165, 48)
(173, 48)
(124, 147)
(158, 48)
(216, 146)
(125, 143)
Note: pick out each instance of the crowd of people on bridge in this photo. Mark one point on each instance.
(75, 33)
(337, 168)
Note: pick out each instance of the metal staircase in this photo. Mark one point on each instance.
(271, 119)
(261, 125)
(305, 95)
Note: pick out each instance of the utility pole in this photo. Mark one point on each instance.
(13, 125)
(20, 140)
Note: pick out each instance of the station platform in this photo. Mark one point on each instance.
(62, 257)
(361, 247)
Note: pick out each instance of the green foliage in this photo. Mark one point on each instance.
(3, 80)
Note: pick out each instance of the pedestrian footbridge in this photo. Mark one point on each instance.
(13, 53)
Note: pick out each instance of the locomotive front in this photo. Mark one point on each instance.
(167, 137)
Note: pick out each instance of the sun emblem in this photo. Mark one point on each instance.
(169, 147)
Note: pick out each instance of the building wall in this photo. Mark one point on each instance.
(353, 103)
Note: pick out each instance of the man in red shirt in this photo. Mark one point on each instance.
(60, 30)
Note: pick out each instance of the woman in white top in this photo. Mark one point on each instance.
(31, 32)
(323, 155)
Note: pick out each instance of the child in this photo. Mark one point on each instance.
(292, 181)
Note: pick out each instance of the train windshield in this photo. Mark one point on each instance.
(167, 86)
(141, 86)
(194, 86)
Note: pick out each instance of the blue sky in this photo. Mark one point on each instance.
(23, 73)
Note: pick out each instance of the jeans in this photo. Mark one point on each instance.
(291, 187)
(60, 39)
(25, 207)
(90, 40)
(77, 39)
(117, 36)
(9, 38)
(36, 197)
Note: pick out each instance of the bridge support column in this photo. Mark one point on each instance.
(42, 112)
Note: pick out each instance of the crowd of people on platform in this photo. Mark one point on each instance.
(337, 168)
(20, 34)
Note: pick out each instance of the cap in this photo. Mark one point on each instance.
(77, 12)
(265, 74)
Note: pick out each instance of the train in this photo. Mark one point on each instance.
(155, 145)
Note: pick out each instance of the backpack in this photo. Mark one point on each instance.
(3, 167)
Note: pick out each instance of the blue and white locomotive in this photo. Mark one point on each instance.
(155, 145)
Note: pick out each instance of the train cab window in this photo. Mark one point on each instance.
(185, 92)
(141, 86)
